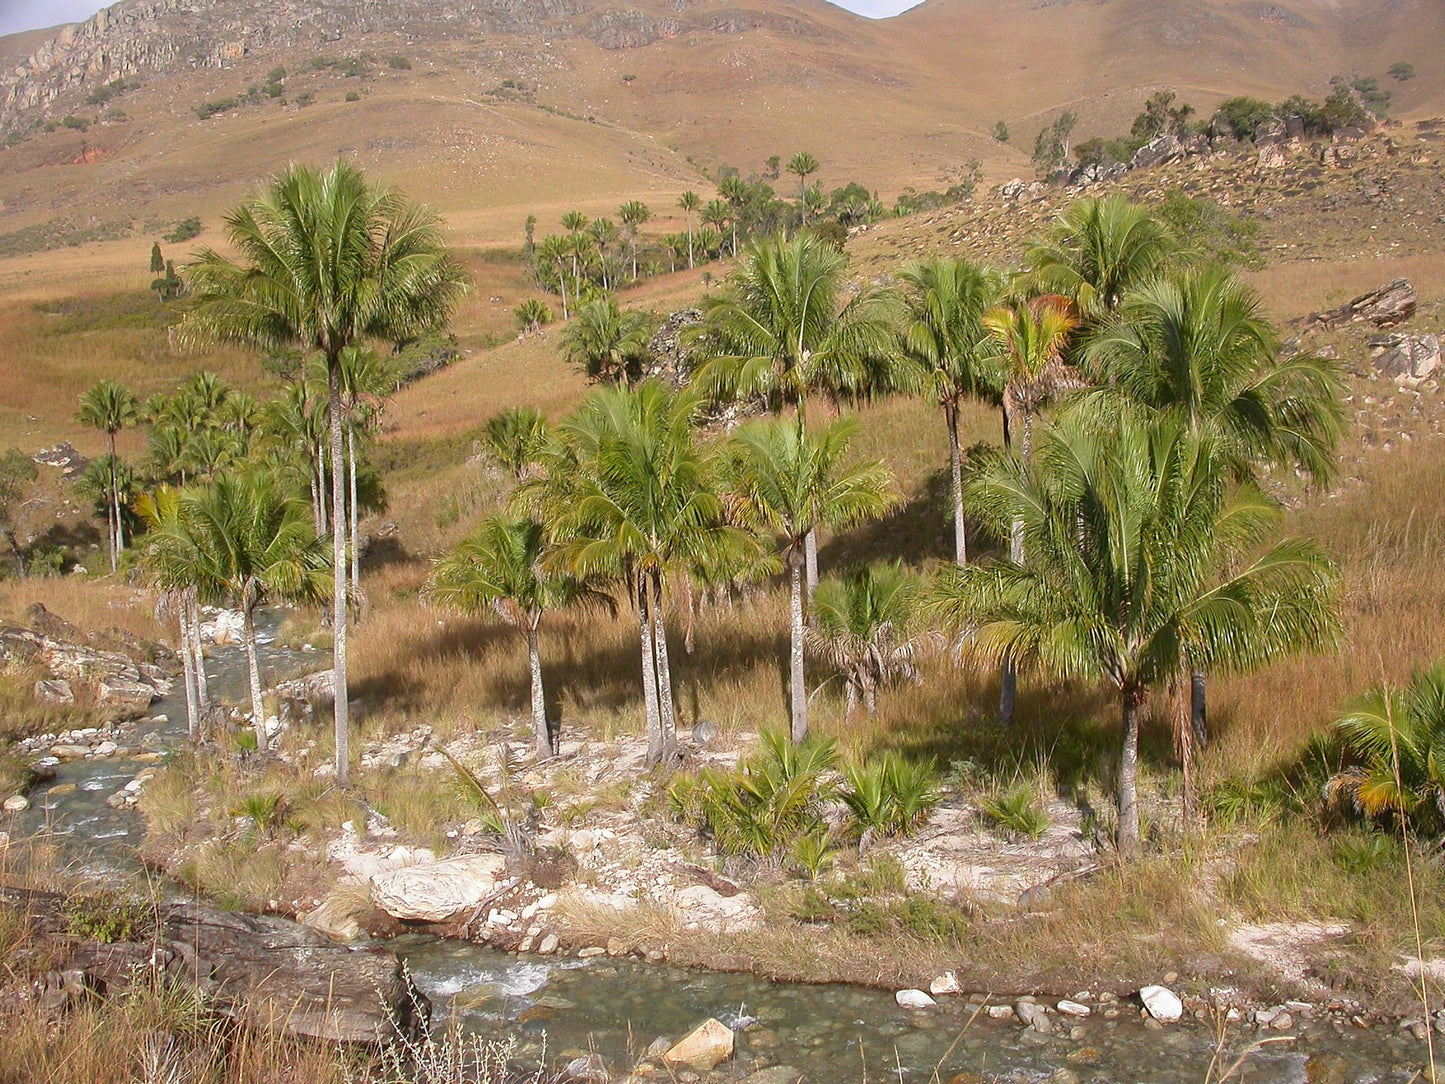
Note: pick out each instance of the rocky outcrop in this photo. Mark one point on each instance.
(669, 358)
(1409, 360)
(116, 684)
(261, 971)
(1386, 307)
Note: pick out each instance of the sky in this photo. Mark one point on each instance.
(17, 15)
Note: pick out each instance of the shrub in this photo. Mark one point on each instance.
(1401, 71)
(814, 852)
(890, 796)
(352, 96)
(1242, 116)
(185, 230)
(79, 124)
(108, 917)
(1000, 132)
(1017, 811)
(207, 110)
(264, 809)
(398, 63)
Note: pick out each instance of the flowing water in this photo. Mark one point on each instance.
(561, 1008)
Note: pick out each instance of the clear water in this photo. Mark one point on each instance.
(560, 1008)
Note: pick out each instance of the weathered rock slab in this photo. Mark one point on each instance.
(703, 1048)
(435, 891)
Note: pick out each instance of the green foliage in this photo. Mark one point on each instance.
(1211, 229)
(763, 807)
(207, 110)
(1017, 810)
(890, 796)
(606, 343)
(353, 96)
(109, 917)
(532, 314)
(1402, 71)
(515, 439)
(79, 124)
(1242, 116)
(398, 63)
(1234, 802)
(265, 809)
(1161, 115)
(185, 230)
(106, 91)
(1367, 93)
(1000, 132)
(813, 853)
(1366, 854)
(1051, 145)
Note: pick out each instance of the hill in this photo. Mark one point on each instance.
(157, 110)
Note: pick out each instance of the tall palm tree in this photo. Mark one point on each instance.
(628, 494)
(803, 165)
(788, 482)
(1030, 335)
(945, 336)
(297, 420)
(778, 333)
(689, 201)
(326, 260)
(253, 545)
(735, 190)
(1396, 738)
(1097, 250)
(1195, 346)
(110, 407)
(865, 624)
(365, 382)
(607, 343)
(1141, 553)
(503, 566)
(633, 214)
(718, 213)
(603, 232)
(575, 223)
(172, 561)
(554, 250)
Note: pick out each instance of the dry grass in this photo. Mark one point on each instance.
(89, 605)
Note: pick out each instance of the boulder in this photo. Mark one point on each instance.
(1271, 156)
(1162, 148)
(1409, 360)
(913, 999)
(1161, 1004)
(706, 1046)
(1389, 305)
(587, 1069)
(54, 692)
(225, 628)
(122, 697)
(947, 983)
(435, 891)
(16, 803)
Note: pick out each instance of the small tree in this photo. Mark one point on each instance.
(1051, 146)
(158, 263)
(110, 407)
(609, 345)
(531, 315)
(1000, 132)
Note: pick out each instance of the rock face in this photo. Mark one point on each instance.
(435, 891)
(54, 692)
(1391, 304)
(123, 698)
(1409, 360)
(121, 686)
(262, 971)
(705, 1047)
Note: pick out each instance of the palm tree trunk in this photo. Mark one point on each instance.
(649, 673)
(1184, 743)
(342, 709)
(351, 468)
(955, 465)
(1128, 833)
(870, 695)
(667, 714)
(203, 686)
(850, 705)
(795, 652)
(253, 672)
(542, 740)
(562, 283)
(188, 673)
(112, 512)
(810, 553)
(689, 242)
(316, 524)
(1008, 687)
(1199, 708)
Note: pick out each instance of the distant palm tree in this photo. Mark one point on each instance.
(607, 343)
(736, 191)
(1141, 552)
(603, 233)
(366, 382)
(325, 261)
(803, 165)
(945, 336)
(575, 222)
(110, 407)
(633, 214)
(717, 214)
(866, 625)
(170, 559)
(785, 481)
(503, 566)
(689, 201)
(554, 250)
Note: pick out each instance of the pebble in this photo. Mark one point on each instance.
(1282, 1022)
(947, 983)
(1162, 1004)
(590, 952)
(548, 945)
(1000, 1012)
(16, 803)
(1074, 1008)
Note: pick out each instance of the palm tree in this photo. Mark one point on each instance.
(326, 261)
(1132, 532)
(575, 222)
(803, 165)
(110, 483)
(170, 557)
(717, 213)
(1396, 736)
(606, 343)
(945, 336)
(735, 190)
(110, 407)
(689, 201)
(1195, 346)
(1096, 251)
(515, 438)
(365, 381)
(503, 566)
(554, 250)
(633, 214)
(255, 545)
(298, 421)
(778, 333)
(788, 482)
(628, 494)
(865, 624)
(603, 232)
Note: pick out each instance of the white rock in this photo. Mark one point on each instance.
(548, 945)
(914, 999)
(1000, 1012)
(434, 891)
(947, 983)
(703, 1048)
(105, 749)
(16, 803)
(1074, 1008)
(1162, 1004)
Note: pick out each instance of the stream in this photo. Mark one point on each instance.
(560, 1008)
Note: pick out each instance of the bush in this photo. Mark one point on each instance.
(185, 230)
(1242, 116)
(398, 63)
(1401, 71)
(109, 917)
(352, 96)
(1000, 132)
(1017, 811)
(207, 110)
(890, 796)
(79, 124)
